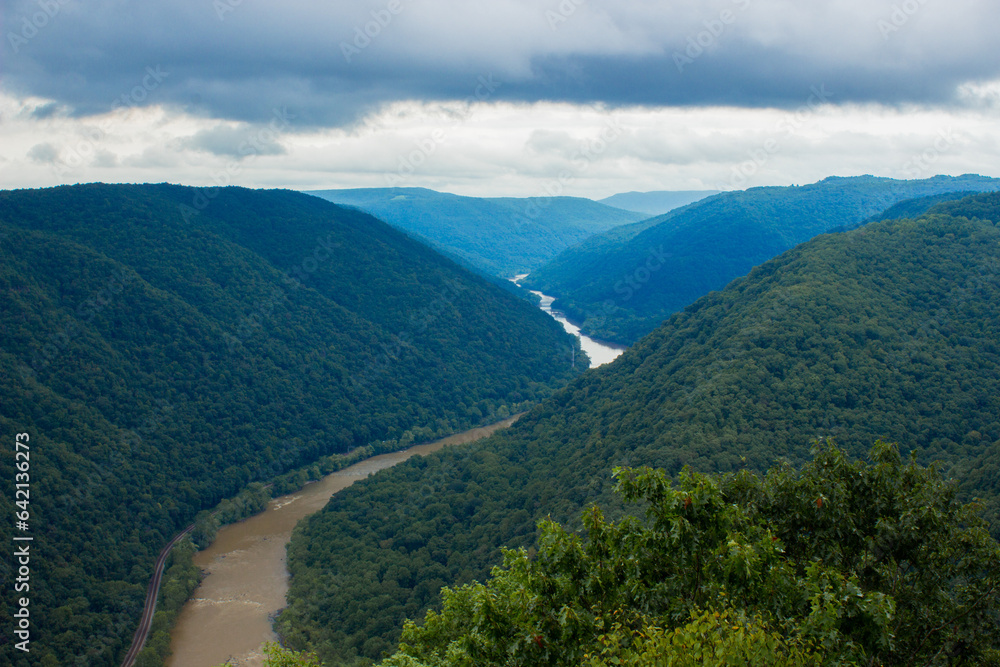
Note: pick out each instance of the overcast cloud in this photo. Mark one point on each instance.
(180, 85)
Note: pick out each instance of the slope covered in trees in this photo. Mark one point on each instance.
(888, 331)
(165, 346)
(623, 286)
(501, 236)
(840, 563)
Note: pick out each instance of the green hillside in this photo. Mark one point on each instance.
(165, 346)
(500, 236)
(914, 208)
(888, 331)
(839, 563)
(622, 287)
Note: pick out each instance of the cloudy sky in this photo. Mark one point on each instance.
(496, 97)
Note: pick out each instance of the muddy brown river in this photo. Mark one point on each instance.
(229, 616)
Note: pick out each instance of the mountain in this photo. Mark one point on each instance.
(888, 331)
(657, 202)
(914, 208)
(164, 346)
(502, 236)
(623, 285)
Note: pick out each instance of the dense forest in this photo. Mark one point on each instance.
(166, 346)
(887, 331)
(839, 563)
(499, 236)
(623, 284)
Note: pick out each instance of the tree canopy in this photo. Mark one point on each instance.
(166, 346)
(840, 562)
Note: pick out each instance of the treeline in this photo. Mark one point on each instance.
(165, 347)
(888, 331)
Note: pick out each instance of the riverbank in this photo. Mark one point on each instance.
(229, 616)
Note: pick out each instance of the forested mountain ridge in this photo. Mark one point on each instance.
(888, 331)
(501, 236)
(163, 346)
(623, 285)
(657, 202)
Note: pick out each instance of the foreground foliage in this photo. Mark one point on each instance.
(839, 563)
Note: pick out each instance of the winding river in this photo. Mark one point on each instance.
(229, 616)
(600, 352)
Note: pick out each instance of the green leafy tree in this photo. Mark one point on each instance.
(842, 562)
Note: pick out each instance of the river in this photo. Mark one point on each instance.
(600, 352)
(229, 616)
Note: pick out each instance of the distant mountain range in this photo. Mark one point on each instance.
(887, 331)
(657, 202)
(164, 346)
(622, 284)
(500, 236)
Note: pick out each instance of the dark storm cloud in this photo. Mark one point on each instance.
(332, 62)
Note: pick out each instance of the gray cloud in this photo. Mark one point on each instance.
(332, 64)
(229, 141)
(43, 153)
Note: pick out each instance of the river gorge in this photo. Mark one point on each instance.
(229, 616)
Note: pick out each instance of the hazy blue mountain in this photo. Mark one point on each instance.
(623, 284)
(502, 236)
(657, 202)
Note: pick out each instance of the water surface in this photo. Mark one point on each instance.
(229, 616)
(600, 352)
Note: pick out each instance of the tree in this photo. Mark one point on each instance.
(838, 563)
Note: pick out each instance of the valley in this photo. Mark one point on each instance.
(500, 334)
(284, 332)
(599, 352)
(852, 336)
(229, 615)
